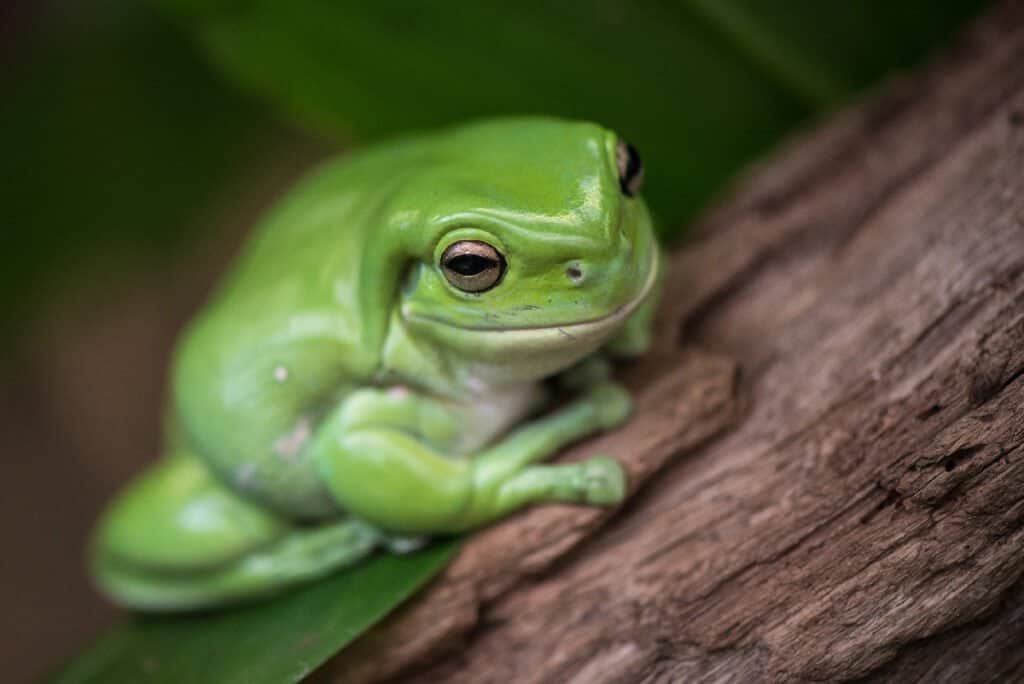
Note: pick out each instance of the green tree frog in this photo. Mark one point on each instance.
(374, 369)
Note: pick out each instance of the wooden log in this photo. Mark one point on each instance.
(826, 461)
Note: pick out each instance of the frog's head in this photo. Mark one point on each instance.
(532, 245)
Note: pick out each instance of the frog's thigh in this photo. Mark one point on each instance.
(397, 483)
(394, 479)
(178, 516)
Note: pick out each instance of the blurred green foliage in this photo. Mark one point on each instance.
(700, 86)
(116, 131)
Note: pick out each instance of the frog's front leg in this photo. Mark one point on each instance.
(394, 476)
(634, 338)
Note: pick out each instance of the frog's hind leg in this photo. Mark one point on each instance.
(297, 557)
(178, 540)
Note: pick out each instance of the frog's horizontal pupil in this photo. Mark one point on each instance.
(470, 264)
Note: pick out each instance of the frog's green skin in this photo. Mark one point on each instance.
(338, 394)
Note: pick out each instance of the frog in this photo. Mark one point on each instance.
(404, 340)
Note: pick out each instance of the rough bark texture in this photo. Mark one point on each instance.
(827, 456)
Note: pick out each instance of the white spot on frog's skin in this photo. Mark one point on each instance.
(398, 392)
(402, 545)
(280, 373)
(197, 514)
(474, 384)
(244, 475)
(288, 446)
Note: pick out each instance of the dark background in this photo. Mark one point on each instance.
(141, 141)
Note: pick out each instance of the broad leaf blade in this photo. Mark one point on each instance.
(281, 640)
(115, 138)
(693, 105)
(700, 86)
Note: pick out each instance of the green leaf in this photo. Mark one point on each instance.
(281, 640)
(700, 86)
(116, 135)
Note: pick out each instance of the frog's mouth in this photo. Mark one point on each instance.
(587, 334)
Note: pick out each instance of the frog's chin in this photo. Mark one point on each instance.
(539, 351)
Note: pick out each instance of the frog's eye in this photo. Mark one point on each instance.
(631, 168)
(472, 266)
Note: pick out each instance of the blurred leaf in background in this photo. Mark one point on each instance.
(700, 86)
(115, 132)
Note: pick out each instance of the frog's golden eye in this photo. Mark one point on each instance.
(631, 168)
(472, 266)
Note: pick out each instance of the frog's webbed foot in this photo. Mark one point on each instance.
(612, 402)
(598, 481)
(603, 481)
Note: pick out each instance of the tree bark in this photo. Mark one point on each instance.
(827, 472)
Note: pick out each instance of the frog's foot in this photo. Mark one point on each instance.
(603, 481)
(598, 481)
(178, 540)
(612, 402)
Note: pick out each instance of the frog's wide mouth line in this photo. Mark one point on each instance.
(570, 330)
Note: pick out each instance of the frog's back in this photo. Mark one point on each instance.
(297, 324)
(315, 251)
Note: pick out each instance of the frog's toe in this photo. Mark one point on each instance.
(612, 402)
(604, 482)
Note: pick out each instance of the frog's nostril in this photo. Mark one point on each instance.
(575, 273)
